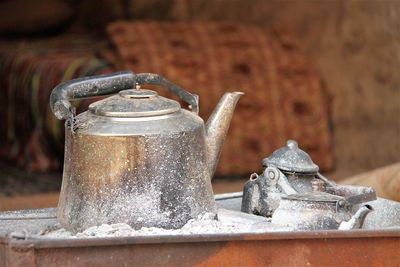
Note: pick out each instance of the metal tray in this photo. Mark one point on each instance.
(278, 247)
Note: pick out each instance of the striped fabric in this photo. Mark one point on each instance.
(30, 135)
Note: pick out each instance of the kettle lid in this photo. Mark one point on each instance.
(291, 158)
(133, 103)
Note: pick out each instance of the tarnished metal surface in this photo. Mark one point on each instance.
(138, 158)
(217, 127)
(292, 159)
(326, 248)
(376, 247)
(386, 213)
(27, 221)
(143, 173)
(135, 103)
(357, 220)
(109, 84)
(318, 211)
(289, 171)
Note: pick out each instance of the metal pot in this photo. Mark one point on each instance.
(290, 170)
(137, 157)
(318, 211)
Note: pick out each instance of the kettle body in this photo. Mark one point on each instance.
(318, 211)
(311, 211)
(136, 158)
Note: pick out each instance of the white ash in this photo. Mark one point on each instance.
(205, 224)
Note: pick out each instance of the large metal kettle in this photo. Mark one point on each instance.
(137, 157)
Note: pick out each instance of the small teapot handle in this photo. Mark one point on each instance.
(109, 84)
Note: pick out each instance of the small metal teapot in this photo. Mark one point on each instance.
(318, 211)
(290, 171)
(137, 157)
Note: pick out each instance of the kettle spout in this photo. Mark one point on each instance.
(217, 127)
(357, 220)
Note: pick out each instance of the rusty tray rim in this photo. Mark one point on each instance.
(42, 242)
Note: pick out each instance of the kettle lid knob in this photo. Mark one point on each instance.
(292, 144)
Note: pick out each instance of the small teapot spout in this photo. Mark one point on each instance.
(357, 220)
(217, 127)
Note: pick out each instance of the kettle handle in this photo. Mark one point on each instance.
(109, 84)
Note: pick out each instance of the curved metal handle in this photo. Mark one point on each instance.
(109, 84)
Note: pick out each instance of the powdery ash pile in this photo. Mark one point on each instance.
(203, 225)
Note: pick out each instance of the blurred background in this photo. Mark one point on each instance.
(324, 73)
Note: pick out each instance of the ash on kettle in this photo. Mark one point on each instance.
(137, 157)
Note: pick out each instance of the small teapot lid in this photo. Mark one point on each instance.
(133, 103)
(291, 158)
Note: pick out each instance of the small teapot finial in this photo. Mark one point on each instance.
(292, 144)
